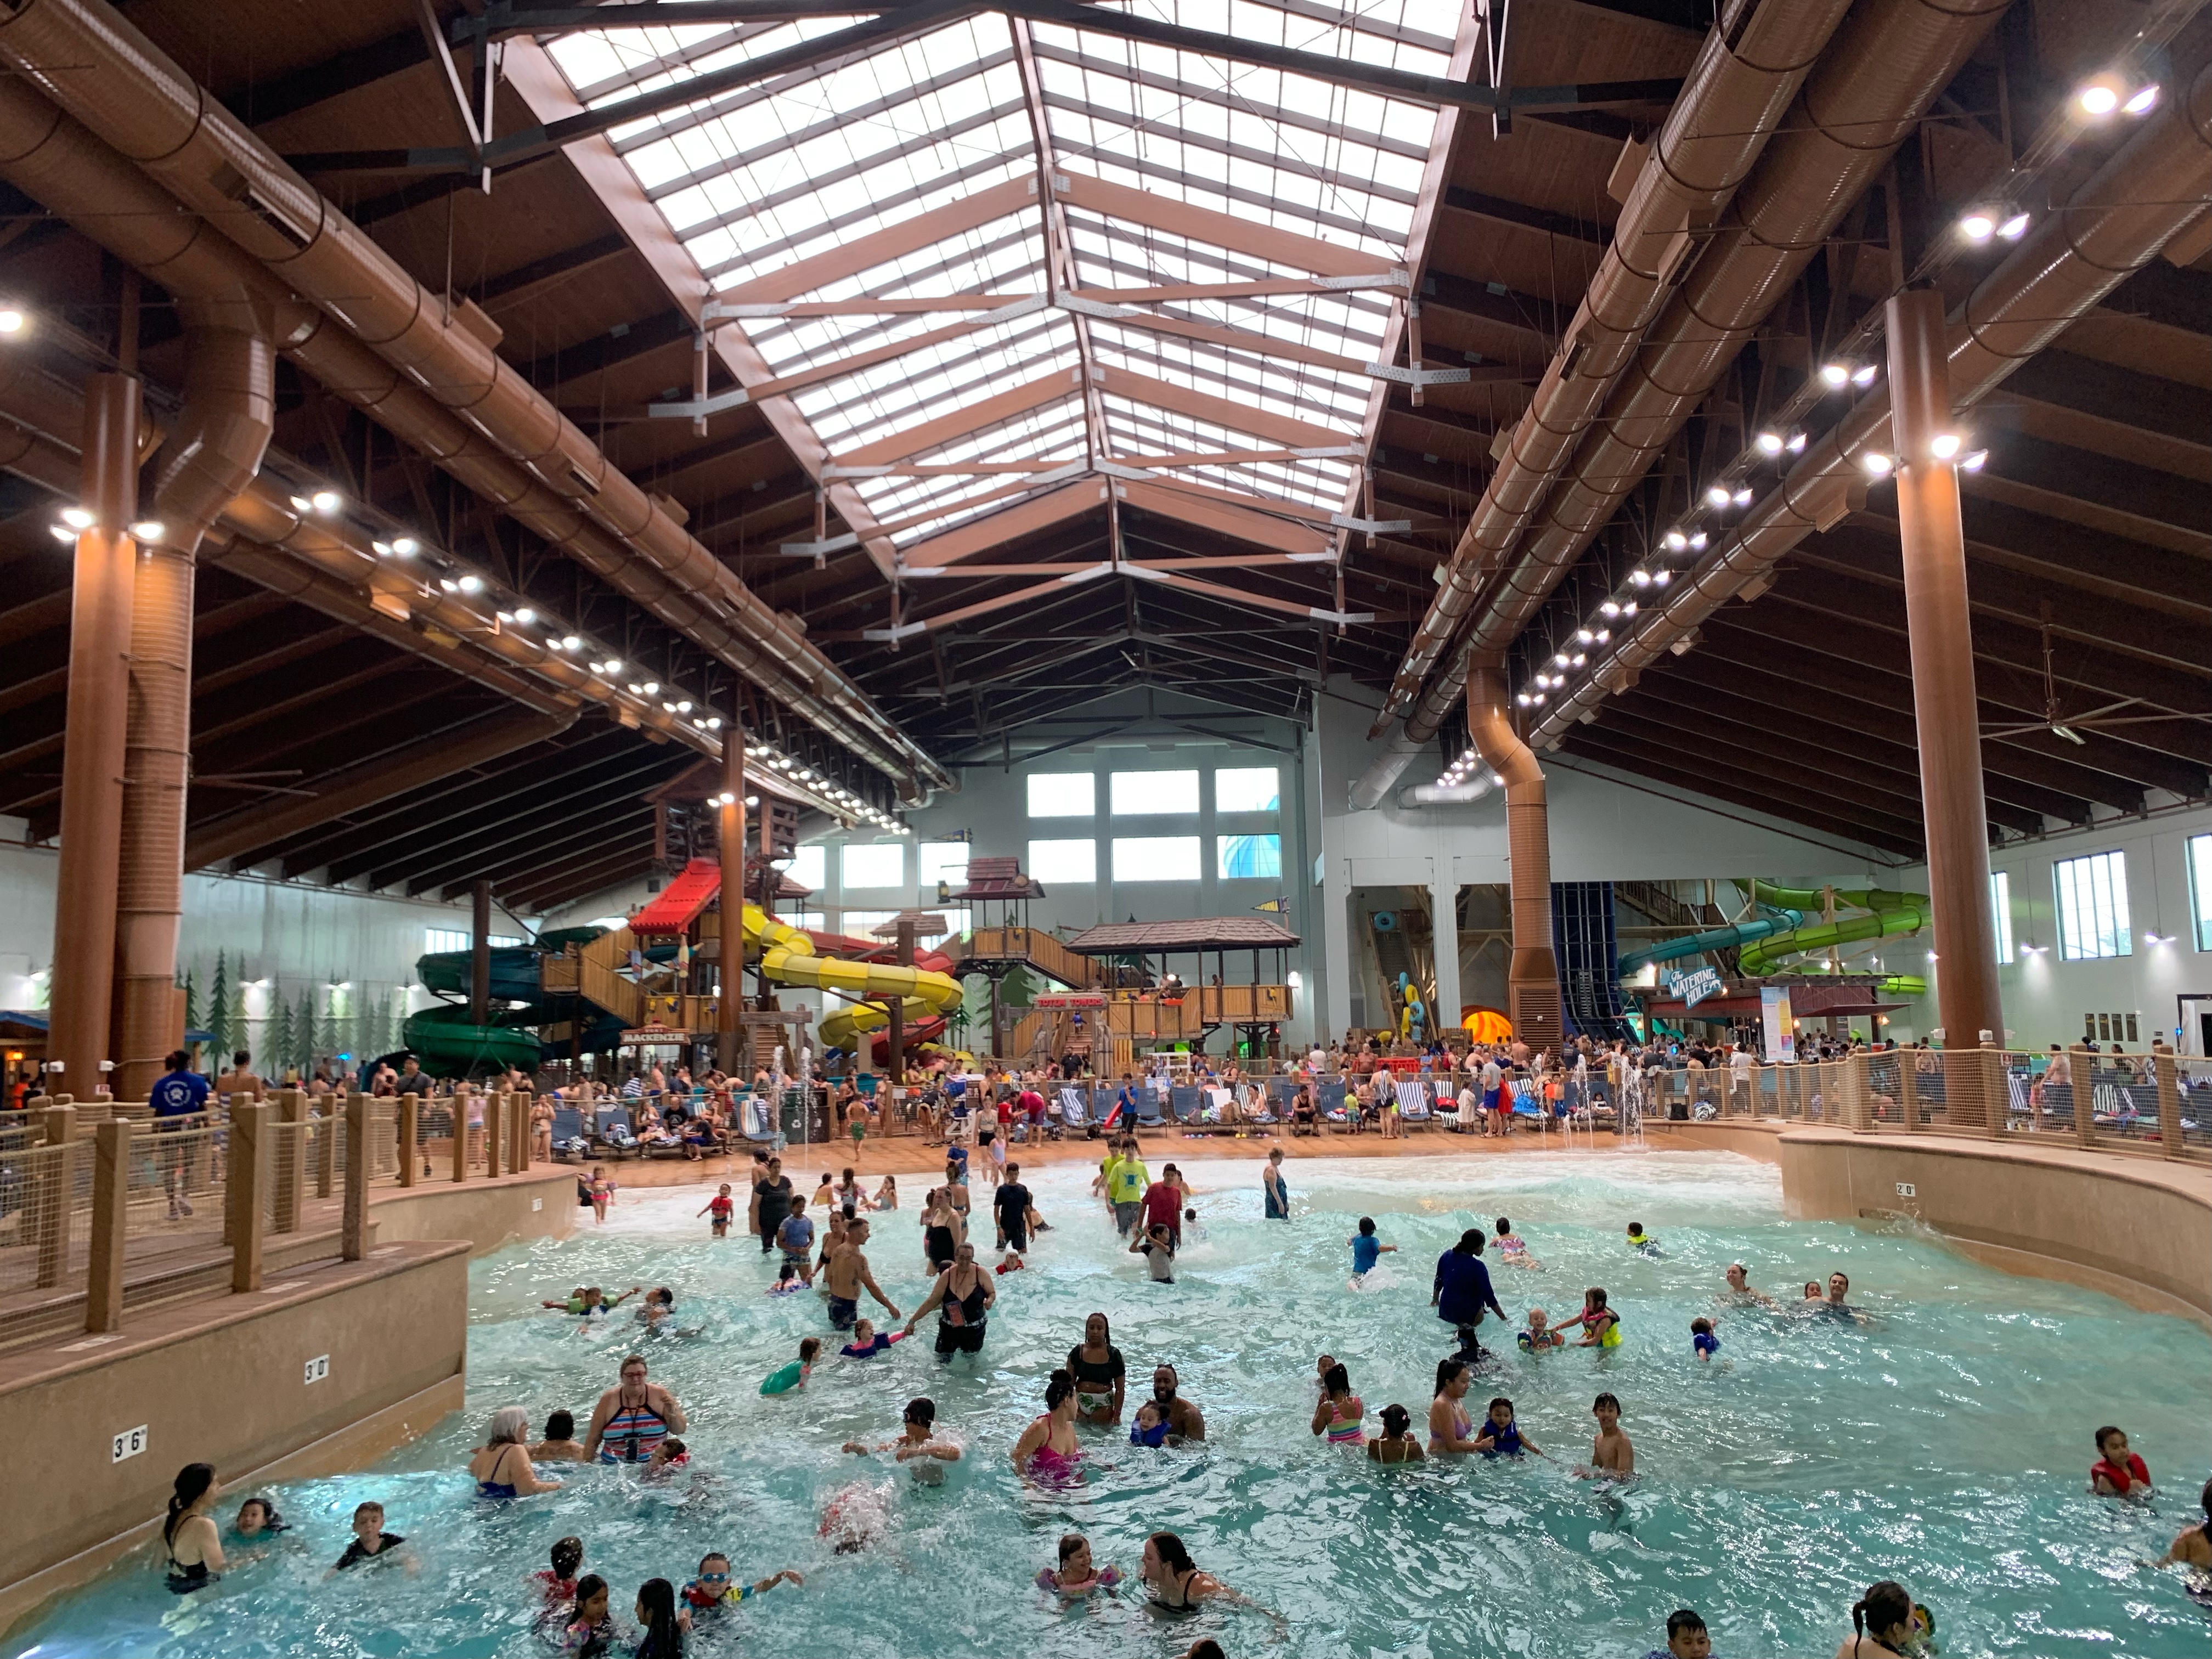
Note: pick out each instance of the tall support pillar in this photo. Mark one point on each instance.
(1443, 936)
(896, 1008)
(480, 953)
(93, 760)
(730, 964)
(1940, 637)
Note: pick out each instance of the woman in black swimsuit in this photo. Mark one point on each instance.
(939, 1234)
(189, 1537)
(1882, 1617)
(962, 1297)
(1099, 1372)
(1172, 1580)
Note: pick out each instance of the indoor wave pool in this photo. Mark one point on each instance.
(1943, 1441)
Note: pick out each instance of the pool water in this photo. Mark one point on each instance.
(1944, 1443)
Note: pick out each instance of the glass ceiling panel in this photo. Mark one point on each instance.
(874, 154)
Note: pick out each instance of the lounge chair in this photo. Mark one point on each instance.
(614, 1133)
(1074, 1110)
(1148, 1111)
(1331, 1105)
(568, 1130)
(1414, 1103)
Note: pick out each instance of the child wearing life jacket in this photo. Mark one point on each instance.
(1601, 1325)
(2118, 1472)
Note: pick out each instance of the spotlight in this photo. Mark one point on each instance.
(2138, 105)
(1523, 698)
(405, 546)
(1769, 443)
(1640, 578)
(526, 615)
(651, 687)
(1697, 542)
(1979, 225)
(1603, 635)
(2099, 97)
(1718, 496)
(1609, 609)
(449, 584)
(2014, 227)
(1580, 658)
(146, 530)
(714, 722)
(1559, 661)
(570, 642)
(1876, 463)
(1628, 609)
(1664, 578)
(326, 500)
(1973, 463)
(1742, 497)
(383, 548)
(1584, 635)
(1676, 541)
(63, 533)
(1863, 376)
(11, 321)
(77, 518)
(683, 707)
(1834, 374)
(1538, 699)
(1943, 446)
(472, 584)
(613, 666)
(1796, 444)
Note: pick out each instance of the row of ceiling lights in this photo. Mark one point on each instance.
(2096, 99)
(1461, 769)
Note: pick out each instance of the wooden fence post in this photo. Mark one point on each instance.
(354, 1232)
(2085, 1095)
(495, 1125)
(406, 1127)
(332, 1108)
(456, 1116)
(55, 1195)
(290, 1159)
(249, 1170)
(110, 1207)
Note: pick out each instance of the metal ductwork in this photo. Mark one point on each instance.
(1445, 794)
(1385, 769)
(215, 451)
(428, 376)
(1745, 78)
(2153, 189)
(1883, 70)
(1532, 979)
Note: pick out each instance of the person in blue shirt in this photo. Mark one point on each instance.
(178, 1093)
(1367, 1249)
(1462, 1291)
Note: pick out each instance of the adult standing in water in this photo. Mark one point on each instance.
(962, 1297)
(1101, 1375)
(1461, 1290)
(1273, 1188)
(189, 1535)
(1449, 1428)
(848, 1274)
(772, 1203)
(632, 1419)
(1047, 1450)
(1739, 1284)
(1185, 1421)
(940, 1230)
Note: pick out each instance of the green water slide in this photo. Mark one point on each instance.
(1884, 915)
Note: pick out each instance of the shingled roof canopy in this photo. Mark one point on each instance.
(997, 878)
(1198, 934)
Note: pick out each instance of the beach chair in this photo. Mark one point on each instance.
(568, 1132)
(1075, 1110)
(1148, 1111)
(614, 1133)
(1187, 1106)
(1331, 1100)
(1414, 1103)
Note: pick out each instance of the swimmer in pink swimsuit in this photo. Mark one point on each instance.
(1047, 1452)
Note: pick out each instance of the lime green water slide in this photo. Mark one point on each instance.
(1885, 914)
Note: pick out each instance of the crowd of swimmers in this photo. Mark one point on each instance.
(640, 1423)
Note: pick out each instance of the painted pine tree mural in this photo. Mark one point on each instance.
(224, 1036)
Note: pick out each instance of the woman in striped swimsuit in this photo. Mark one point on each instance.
(632, 1417)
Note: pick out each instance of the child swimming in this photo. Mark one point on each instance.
(1151, 1428)
(868, 1342)
(1611, 1454)
(670, 1453)
(2118, 1472)
(590, 1631)
(1703, 1342)
(787, 1281)
(558, 1583)
(1394, 1445)
(1641, 1241)
(713, 1588)
(369, 1538)
(793, 1375)
(1512, 1246)
(1539, 1335)
(258, 1518)
(1076, 1575)
(1600, 1326)
(1500, 1435)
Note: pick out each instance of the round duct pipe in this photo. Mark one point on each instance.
(1445, 794)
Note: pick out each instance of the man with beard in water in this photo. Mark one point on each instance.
(1180, 1420)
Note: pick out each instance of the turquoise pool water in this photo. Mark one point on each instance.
(1945, 1443)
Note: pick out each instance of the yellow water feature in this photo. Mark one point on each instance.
(787, 957)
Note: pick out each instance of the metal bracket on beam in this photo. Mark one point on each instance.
(722, 310)
(1083, 308)
(693, 408)
(1372, 526)
(816, 550)
(1397, 276)
(1340, 618)
(1420, 376)
(892, 636)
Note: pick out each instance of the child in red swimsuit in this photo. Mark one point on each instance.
(2118, 1472)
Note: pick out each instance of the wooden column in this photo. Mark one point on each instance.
(2168, 1071)
(49, 1198)
(2085, 1100)
(406, 1127)
(494, 1118)
(730, 960)
(354, 1230)
(326, 1143)
(456, 1116)
(1908, 1089)
(249, 1170)
(110, 1202)
(288, 1165)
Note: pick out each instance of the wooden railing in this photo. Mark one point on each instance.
(1041, 950)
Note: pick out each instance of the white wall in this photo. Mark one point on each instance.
(2045, 995)
(1605, 826)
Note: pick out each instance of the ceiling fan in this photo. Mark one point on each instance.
(2071, 726)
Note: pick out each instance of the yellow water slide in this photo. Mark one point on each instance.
(787, 957)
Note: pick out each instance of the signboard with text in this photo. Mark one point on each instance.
(1780, 1027)
(1695, 985)
(1068, 999)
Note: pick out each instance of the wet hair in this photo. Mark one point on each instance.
(1059, 1387)
(628, 1360)
(1446, 1370)
(367, 1506)
(711, 1555)
(809, 1346)
(1501, 1399)
(589, 1585)
(566, 1555)
(1069, 1543)
(270, 1521)
(1681, 1620)
(1395, 1419)
(1367, 1224)
(920, 1410)
(667, 1297)
(1470, 1243)
(559, 1426)
(2106, 1433)
(1846, 1277)
(1606, 1399)
(1173, 1556)
(2205, 1498)
(1504, 1226)
(1883, 1608)
(1702, 1327)
(1594, 1296)
(192, 1485)
(787, 1272)
(1336, 1378)
(656, 1605)
(1206, 1648)
(1104, 1324)
(510, 1426)
(674, 1447)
